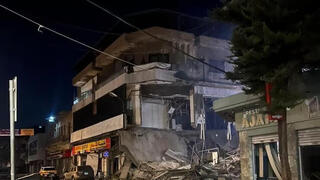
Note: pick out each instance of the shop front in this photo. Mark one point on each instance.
(60, 159)
(259, 147)
(96, 153)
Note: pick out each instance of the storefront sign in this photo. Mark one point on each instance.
(26, 132)
(59, 154)
(92, 146)
(254, 118)
(6, 132)
(18, 132)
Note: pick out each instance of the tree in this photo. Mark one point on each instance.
(275, 41)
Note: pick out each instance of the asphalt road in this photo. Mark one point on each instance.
(35, 177)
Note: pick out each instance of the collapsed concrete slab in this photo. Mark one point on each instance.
(146, 144)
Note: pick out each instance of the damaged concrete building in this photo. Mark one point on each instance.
(58, 152)
(136, 112)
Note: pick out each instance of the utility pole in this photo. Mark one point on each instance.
(13, 119)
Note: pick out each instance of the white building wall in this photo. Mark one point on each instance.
(154, 114)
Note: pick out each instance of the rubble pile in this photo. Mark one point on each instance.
(161, 170)
(175, 166)
(228, 167)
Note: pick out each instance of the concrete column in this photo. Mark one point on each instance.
(136, 104)
(104, 166)
(245, 156)
(192, 119)
(79, 160)
(293, 151)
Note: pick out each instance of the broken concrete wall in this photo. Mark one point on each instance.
(147, 144)
(212, 51)
(154, 113)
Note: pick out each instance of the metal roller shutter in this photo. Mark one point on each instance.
(309, 137)
(265, 139)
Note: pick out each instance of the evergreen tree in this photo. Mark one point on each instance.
(275, 41)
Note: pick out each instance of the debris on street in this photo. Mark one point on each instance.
(175, 166)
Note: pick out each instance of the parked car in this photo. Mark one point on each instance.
(4, 173)
(79, 173)
(48, 171)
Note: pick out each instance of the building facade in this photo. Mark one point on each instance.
(165, 91)
(36, 152)
(259, 138)
(58, 150)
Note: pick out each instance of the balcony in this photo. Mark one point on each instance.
(82, 97)
(153, 73)
(100, 128)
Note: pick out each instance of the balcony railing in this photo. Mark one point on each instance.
(83, 96)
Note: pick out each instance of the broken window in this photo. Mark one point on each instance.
(158, 57)
(266, 161)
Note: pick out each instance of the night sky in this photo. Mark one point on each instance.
(44, 62)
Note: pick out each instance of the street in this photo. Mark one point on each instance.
(35, 176)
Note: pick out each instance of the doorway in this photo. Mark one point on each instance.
(310, 158)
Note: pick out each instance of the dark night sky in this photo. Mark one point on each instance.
(44, 62)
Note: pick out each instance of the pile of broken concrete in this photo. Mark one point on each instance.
(228, 167)
(176, 166)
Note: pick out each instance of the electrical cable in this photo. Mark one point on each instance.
(40, 27)
(155, 37)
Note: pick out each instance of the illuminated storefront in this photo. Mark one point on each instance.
(97, 153)
(94, 146)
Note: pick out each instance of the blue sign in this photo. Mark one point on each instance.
(106, 154)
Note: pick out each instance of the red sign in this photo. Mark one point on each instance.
(275, 117)
(67, 153)
(59, 154)
(268, 93)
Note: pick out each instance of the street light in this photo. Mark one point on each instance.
(51, 119)
(112, 94)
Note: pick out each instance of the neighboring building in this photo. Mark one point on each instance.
(21, 156)
(259, 138)
(58, 151)
(36, 152)
(166, 92)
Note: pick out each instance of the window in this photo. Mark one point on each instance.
(158, 57)
(33, 148)
(49, 168)
(266, 161)
(310, 169)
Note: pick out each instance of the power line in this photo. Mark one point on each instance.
(88, 29)
(155, 37)
(40, 26)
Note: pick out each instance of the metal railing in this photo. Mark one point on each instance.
(83, 96)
